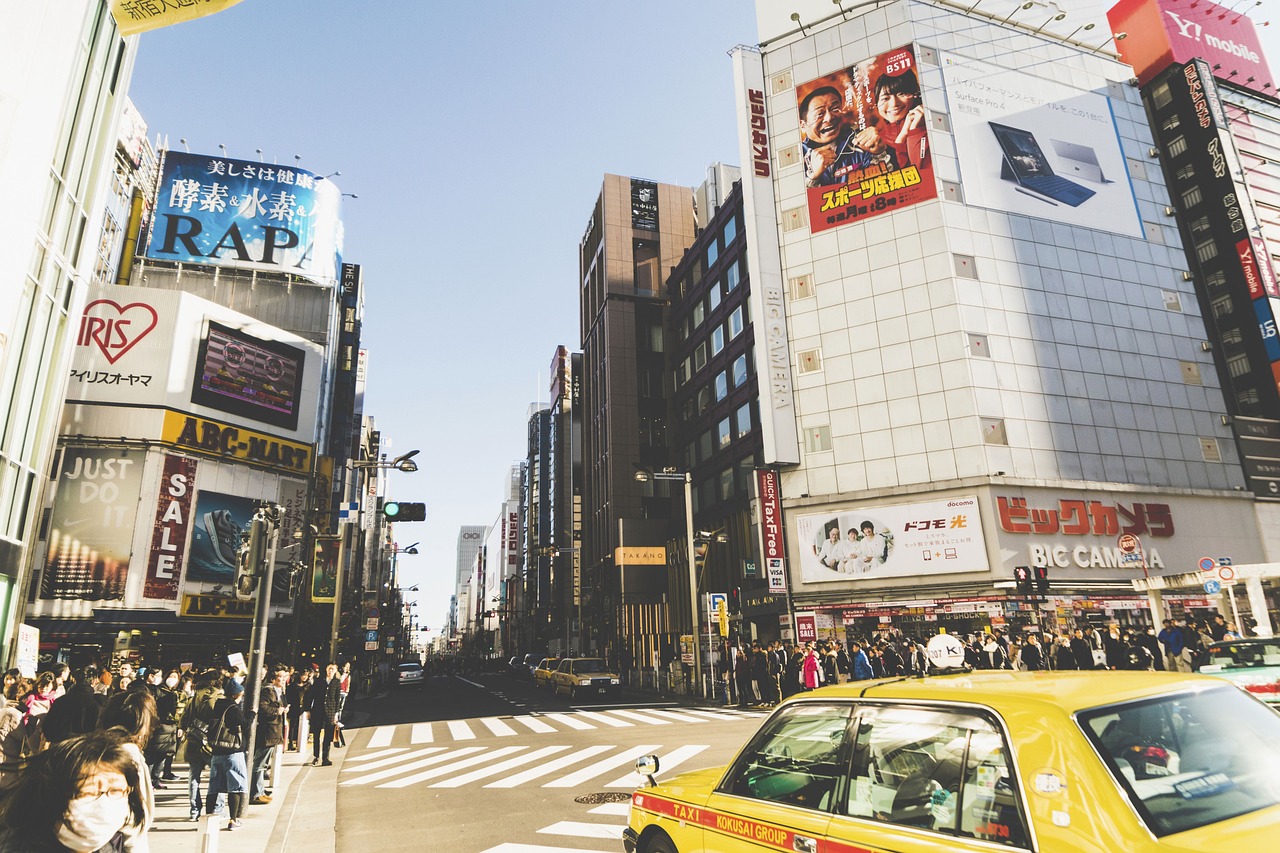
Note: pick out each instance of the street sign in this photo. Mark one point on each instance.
(1212, 587)
(370, 647)
(371, 624)
(1226, 574)
(1128, 543)
(777, 574)
(371, 637)
(1208, 564)
(748, 568)
(686, 649)
(714, 600)
(1224, 561)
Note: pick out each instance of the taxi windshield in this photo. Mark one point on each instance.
(1244, 654)
(1190, 759)
(589, 665)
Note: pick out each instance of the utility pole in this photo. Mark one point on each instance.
(264, 538)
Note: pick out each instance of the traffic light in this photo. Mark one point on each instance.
(735, 600)
(397, 511)
(1022, 575)
(1042, 579)
(249, 559)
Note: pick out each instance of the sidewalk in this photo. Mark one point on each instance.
(300, 816)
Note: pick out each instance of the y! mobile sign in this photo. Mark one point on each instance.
(215, 210)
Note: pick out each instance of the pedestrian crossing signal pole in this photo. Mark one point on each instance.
(264, 537)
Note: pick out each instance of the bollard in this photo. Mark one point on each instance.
(210, 827)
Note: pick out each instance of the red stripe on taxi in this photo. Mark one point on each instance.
(766, 834)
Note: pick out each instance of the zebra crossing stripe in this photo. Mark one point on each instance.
(512, 847)
(604, 718)
(460, 730)
(498, 727)
(381, 737)
(718, 715)
(372, 755)
(653, 721)
(413, 765)
(485, 772)
(394, 759)
(534, 724)
(420, 733)
(593, 770)
(449, 768)
(549, 767)
(672, 715)
(566, 720)
(674, 758)
(578, 829)
(612, 809)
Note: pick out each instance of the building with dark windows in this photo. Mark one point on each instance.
(562, 607)
(637, 231)
(536, 519)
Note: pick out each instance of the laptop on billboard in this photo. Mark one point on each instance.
(1026, 164)
(1080, 161)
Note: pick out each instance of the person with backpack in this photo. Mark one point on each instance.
(194, 724)
(227, 770)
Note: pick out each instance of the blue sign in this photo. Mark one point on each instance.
(1212, 587)
(371, 636)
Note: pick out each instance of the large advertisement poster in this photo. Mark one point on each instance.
(220, 523)
(1036, 147)
(235, 213)
(91, 528)
(878, 543)
(864, 141)
(169, 535)
(324, 570)
(248, 376)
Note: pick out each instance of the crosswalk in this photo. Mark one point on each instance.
(551, 766)
(416, 734)
(592, 831)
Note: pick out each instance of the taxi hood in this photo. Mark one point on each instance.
(693, 787)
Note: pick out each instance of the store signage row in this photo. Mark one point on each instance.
(217, 607)
(986, 605)
(202, 435)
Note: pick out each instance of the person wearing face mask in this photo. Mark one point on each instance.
(101, 810)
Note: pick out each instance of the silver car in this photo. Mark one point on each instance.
(410, 674)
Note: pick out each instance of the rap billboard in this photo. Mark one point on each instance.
(256, 216)
(91, 526)
(888, 542)
(1036, 147)
(863, 140)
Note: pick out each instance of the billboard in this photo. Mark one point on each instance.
(248, 376)
(863, 141)
(172, 523)
(255, 216)
(882, 543)
(1159, 33)
(220, 523)
(1036, 147)
(91, 526)
(324, 570)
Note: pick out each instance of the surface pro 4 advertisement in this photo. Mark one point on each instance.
(1038, 147)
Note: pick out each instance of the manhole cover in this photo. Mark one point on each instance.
(596, 799)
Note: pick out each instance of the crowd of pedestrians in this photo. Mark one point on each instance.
(82, 751)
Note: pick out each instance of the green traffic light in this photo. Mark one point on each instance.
(391, 509)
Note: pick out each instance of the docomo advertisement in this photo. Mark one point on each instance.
(139, 346)
(256, 216)
(1159, 33)
(864, 143)
(1032, 146)
(888, 542)
(771, 545)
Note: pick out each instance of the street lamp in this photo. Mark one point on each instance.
(403, 463)
(644, 475)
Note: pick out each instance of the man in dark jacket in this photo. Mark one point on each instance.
(271, 708)
(322, 710)
(1081, 650)
(196, 720)
(1032, 657)
(76, 713)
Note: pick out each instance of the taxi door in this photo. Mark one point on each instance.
(779, 792)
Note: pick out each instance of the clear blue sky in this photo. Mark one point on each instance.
(476, 136)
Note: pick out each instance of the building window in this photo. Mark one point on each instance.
(735, 322)
(713, 298)
(743, 417)
(817, 439)
(1172, 122)
(802, 287)
(1232, 336)
(1238, 365)
(717, 340)
(1215, 279)
(1185, 173)
(1190, 372)
(993, 431)
(1177, 146)
(1200, 225)
(722, 385)
(1209, 450)
(726, 484)
(1191, 197)
(730, 231)
(713, 252)
(690, 456)
(699, 314)
(1161, 97)
(1172, 301)
(655, 339)
(1248, 397)
(731, 276)
(705, 448)
(704, 399)
(739, 370)
(809, 361)
(1206, 250)
(1223, 306)
(724, 433)
(700, 356)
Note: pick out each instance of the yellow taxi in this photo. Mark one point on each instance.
(582, 678)
(1077, 762)
(545, 671)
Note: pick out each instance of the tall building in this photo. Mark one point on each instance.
(637, 230)
(978, 323)
(536, 609)
(64, 70)
(565, 498)
(470, 540)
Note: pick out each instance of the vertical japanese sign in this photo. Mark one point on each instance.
(771, 545)
(324, 571)
(91, 527)
(169, 535)
(292, 499)
(864, 142)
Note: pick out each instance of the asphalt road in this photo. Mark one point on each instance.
(487, 764)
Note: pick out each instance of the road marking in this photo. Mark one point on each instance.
(395, 759)
(604, 718)
(565, 719)
(512, 847)
(672, 715)
(460, 730)
(379, 754)
(632, 715)
(612, 809)
(672, 759)
(475, 775)
(421, 733)
(449, 768)
(535, 724)
(594, 770)
(549, 767)
(579, 829)
(498, 727)
(381, 737)
(426, 762)
(719, 715)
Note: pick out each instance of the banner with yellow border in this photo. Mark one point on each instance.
(139, 16)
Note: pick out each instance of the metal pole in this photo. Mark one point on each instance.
(337, 596)
(262, 612)
(693, 578)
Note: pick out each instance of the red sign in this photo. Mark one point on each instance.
(770, 513)
(169, 535)
(115, 328)
(1128, 544)
(759, 134)
(806, 627)
(1080, 518)
(1159, 33)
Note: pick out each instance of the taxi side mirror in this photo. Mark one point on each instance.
(647, 766)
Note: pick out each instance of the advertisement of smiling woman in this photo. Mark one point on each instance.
(864, 143)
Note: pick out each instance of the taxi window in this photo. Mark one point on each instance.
(936, 770)
(589, 665)
(794, 759)
(1190, 759)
